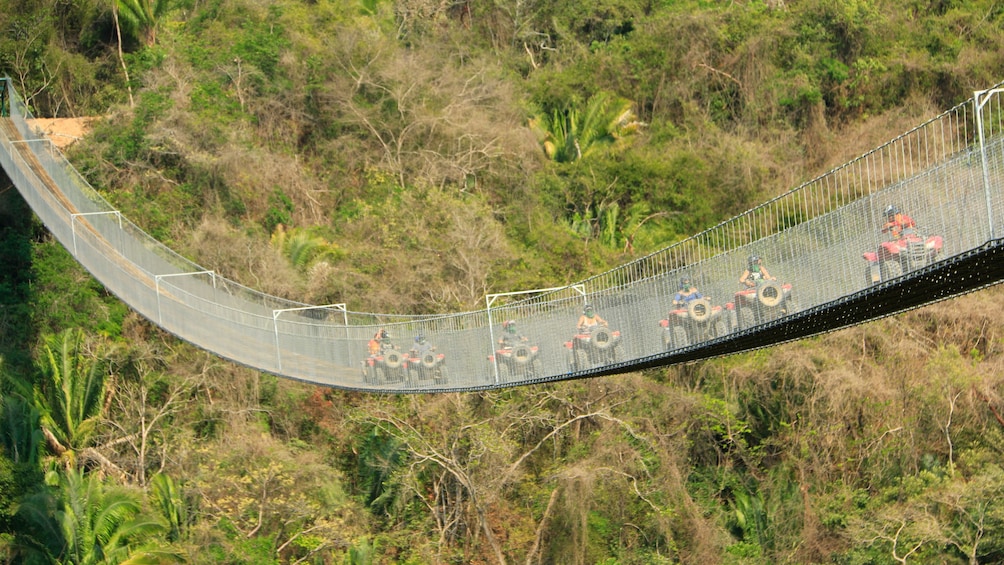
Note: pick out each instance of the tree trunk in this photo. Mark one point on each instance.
(118, 34)
(55, 447)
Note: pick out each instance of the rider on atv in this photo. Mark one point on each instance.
(687, 293)
(379, 343)
(385, 362)
(423, 362)
(897, 223)
(692, 318)
(762, 298)
(590, 320)
(515, 358)
(755, 271)
(595, 343)
(904, 251)
(421, 347)
(511, 338)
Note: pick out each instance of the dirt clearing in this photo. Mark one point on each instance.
(63, 131)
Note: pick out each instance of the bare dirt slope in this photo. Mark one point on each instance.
(63, 131)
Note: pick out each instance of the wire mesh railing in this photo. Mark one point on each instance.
(827, 239)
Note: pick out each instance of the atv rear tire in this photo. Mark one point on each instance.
(770, 294)
(521, 354)
(890, 269)
(504, 372)
(747, 318)
(429, 360)
(618, 355)
(392, 359)
(680, 337)
(602, 338)
(442, 377)
(791, 305)
(719, 329)
(699, 310)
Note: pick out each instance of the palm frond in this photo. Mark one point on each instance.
(20, 432)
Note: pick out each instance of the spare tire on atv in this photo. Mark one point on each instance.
(917, 255)
(392, 359)
(699, 310)
(521, 354)
(602, 338)
(769, 294)
(429, 360)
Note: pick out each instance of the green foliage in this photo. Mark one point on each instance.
(751, 517)
(744, 552)
(304, 248)
(396, 130)
(170, 503)
(569, 134)
(16, 330)
(126, 143)
(550, 249)
(87, 522)
(280, 211)
(379, 462)
(20, 434)
(65, 296)
(260, 44)
(360, 553)
(631, 199)
(9, 491)
(24, 47)
(140, 18)
(251, 42)
(70, 395)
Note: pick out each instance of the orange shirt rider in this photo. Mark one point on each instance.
(376, 345)
(896, 222)
(589, 319)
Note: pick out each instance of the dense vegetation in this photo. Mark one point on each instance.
(411, 155)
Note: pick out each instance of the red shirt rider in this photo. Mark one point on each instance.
(896, 222)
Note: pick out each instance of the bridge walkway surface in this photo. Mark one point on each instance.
(834, 265)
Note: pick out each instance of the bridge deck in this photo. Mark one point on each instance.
(812, 238)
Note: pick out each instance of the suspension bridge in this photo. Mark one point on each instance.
(831, 259)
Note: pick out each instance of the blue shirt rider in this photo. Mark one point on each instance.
(422, 346)
(687, 293)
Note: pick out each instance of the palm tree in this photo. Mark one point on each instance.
(20, 433)
(70, 396)
(87, 523)
(302, 248)
(569, 135)
(168, 501)
(140, 17)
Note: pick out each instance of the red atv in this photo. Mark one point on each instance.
(893, 258)
(425, 365)
(517, 362)
(769, 300)
(386, 366)
(594, 346)
(697, 321)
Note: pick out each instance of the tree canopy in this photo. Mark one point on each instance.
(412, 156)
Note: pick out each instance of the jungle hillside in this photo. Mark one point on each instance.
(411, 156)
